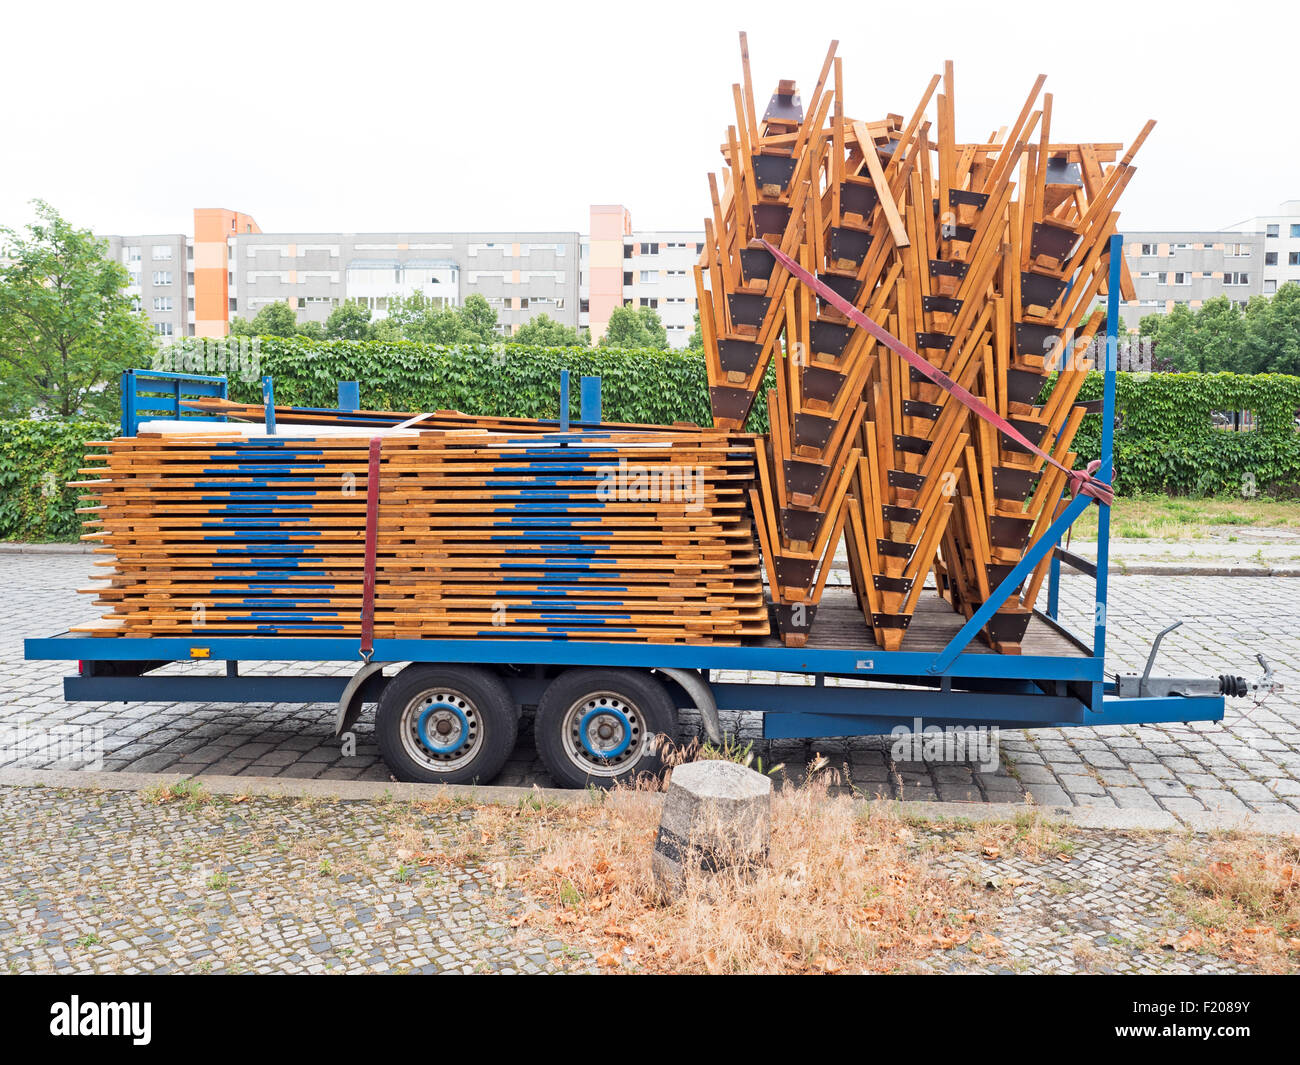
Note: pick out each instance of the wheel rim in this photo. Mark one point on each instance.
(604, 734)
(442, 729)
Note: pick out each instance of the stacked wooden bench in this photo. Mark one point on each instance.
(583, 533)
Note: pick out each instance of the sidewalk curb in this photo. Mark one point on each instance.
(1098, 817)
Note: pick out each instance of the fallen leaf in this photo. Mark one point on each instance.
(608, 961)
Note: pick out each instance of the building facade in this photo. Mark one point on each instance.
(639, 268)
(1171, 268)
(1280, 234)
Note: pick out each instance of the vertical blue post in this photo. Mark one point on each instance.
(1106, 472)
(1054, 588)
(268, 398)
(349, 395)
(589, 401)
(128, 403)
(564, 401)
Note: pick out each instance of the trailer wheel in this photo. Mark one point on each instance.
(603, 726)
(445, 724)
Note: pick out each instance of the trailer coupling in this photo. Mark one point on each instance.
(1132, 686)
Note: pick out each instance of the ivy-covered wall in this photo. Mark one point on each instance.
(37, 460)
(1165, 440)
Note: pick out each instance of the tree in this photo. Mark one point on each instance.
(1172, 335)
(478, 321)
(67, 328)
(418, 317)
(544, 332)
(1272, 332)
(348, 321)
(656, 334)
(635, 328)
(273, 320)
(696, 341)
(311, 330)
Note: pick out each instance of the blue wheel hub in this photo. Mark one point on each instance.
(443, 728)
(605, 732)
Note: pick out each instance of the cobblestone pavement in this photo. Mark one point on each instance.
(1251, 762)
(1104, 911)
(109, 882)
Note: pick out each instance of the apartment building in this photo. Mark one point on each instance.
(160, 271)
(1172, 268)
(193, 286)
(522, 275)
(1281, 244)
(638, 268)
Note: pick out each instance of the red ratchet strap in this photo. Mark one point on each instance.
(1080, 480)
(372, 541)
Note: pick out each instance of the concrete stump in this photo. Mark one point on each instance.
(716, 816)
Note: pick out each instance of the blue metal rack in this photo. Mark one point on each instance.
(956, 685)
(150, 394)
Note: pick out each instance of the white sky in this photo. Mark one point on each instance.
(386, 115)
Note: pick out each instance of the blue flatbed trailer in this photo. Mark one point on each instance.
(587, 688)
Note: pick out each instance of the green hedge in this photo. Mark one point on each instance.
(37, 460)
(514, 380)
(1166, 440)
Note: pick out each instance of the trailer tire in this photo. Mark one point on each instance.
(446, 725)
(624, 712)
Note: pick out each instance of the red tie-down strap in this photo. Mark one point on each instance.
(1079, 480)
(372, 542)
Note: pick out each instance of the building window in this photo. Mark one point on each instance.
(584, 306)
(1271, 231)
(1236, 251)
(1270, 287)
(1150, 249)
(650, 302)
(133, 278)
(1270, 258)
(1231, 278)
(162, 303)
(627, 279)
(161, 252)
(1295, 229)
(162, 277)
(699, 247)
(676, 273)
(163, 329)
(131, 254)
(1182, 277)
(627, 251)
(1293, 259)
(649, 277)
(190, 304)
(233, 307)
(649, 249)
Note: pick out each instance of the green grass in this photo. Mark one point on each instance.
(1153, 517)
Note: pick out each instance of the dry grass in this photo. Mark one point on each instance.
(1242, 895)
(845, 891)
